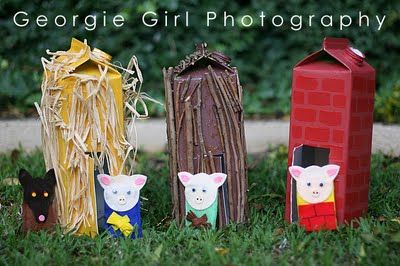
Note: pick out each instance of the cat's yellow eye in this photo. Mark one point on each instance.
(45, 194)
(33, 194)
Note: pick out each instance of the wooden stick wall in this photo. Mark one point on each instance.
(206, 134)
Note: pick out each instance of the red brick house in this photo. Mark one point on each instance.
(331, 122)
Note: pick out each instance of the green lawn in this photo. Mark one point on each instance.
(266, 239)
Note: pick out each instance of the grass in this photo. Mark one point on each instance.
(266, 239)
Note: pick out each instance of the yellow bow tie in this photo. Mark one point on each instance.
(120, 222)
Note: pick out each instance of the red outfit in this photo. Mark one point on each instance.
(318, 216)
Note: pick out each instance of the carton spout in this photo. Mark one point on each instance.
(355, 55)
(335, 43)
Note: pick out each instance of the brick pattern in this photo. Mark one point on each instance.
(318, 216)
(336, 113)
(360, 137)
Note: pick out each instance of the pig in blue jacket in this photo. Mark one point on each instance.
(122, 204)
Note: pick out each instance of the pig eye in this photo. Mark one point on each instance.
(321, 184)
(45, 194)
(193, 190)
(309, 184)
(33, 194)
(129, 192)
(114, 191)
(204, 190)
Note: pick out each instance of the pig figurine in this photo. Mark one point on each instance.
(316, 196)
(122, 204)
(201, 198)
(39, 209)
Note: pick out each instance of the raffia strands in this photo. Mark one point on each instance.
(85, 125)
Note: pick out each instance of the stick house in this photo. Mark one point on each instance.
(205, 129)
(331, 123)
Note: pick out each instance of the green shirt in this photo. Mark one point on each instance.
(211, 213)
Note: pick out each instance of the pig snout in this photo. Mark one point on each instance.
(315, 194)
(199, 199)
(121, 200)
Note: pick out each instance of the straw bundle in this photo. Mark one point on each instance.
(87, 110)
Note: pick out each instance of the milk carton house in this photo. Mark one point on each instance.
(330, 128)
(83, 131)
(205, 130)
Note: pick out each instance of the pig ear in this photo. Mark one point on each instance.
(185, 177)
(218, 178)
(295, 171)
(331, 170)
(104, 180)
(139, 181)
